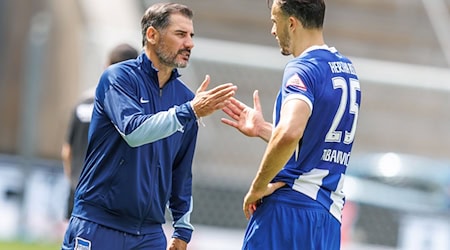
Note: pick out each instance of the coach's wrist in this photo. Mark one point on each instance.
(182, 234)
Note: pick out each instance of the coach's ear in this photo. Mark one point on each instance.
(152, 35)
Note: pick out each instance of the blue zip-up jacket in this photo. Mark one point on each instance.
(139, 158)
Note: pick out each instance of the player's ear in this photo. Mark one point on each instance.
(293, 23)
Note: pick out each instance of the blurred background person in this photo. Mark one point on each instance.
(74, 148)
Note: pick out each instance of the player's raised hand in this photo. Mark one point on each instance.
(247, 120)
(206, 102)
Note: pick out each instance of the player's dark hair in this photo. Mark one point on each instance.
(311, 13)
(158, 16)
(122, 52)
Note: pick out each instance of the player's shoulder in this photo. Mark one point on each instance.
(305, 64)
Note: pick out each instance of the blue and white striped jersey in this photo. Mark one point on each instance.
(327, 82)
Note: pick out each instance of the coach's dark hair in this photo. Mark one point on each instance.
(158, 16)
(311, 13)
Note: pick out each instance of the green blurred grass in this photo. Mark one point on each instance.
(29, 246)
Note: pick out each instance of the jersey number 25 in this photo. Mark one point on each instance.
(333, 134)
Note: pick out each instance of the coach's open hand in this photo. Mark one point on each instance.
(206, 102)
(177, 244)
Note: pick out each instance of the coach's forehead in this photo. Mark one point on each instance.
(180, 22)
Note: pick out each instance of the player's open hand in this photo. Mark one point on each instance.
(247, 120)
(206, 102)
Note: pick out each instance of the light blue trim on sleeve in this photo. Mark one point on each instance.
(185, 220)
(156, 127)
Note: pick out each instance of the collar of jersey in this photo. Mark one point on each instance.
(315, 47)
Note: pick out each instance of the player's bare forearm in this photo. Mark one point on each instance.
(277, 154)
(265, 131)
(282, 143)
(281, 146)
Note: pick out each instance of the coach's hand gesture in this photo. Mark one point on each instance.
(206, 102)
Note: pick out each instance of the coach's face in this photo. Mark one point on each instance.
(175, 43)
(280, 28)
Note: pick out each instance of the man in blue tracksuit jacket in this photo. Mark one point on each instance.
(141, 143)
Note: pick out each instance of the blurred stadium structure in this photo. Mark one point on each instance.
(55, 49)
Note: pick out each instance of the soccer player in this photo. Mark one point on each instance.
(141, 143)
(295, 200)
(73, 150)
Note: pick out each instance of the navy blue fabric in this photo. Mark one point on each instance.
(127, 188)
(94, 236)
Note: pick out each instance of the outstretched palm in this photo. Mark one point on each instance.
(244, 118)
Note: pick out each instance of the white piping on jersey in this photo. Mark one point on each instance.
(314, 47)
(299, 97)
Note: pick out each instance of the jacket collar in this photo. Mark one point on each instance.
(149, 68)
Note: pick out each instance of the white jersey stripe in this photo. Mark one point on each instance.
(309, 183)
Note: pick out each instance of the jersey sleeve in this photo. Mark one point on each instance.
(122, 106)
(297, 83)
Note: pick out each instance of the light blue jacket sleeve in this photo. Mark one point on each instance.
(137, 128)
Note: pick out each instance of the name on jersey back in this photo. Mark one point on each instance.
(336, 156)
(342, 67)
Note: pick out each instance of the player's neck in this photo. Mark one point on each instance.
(306, 39)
